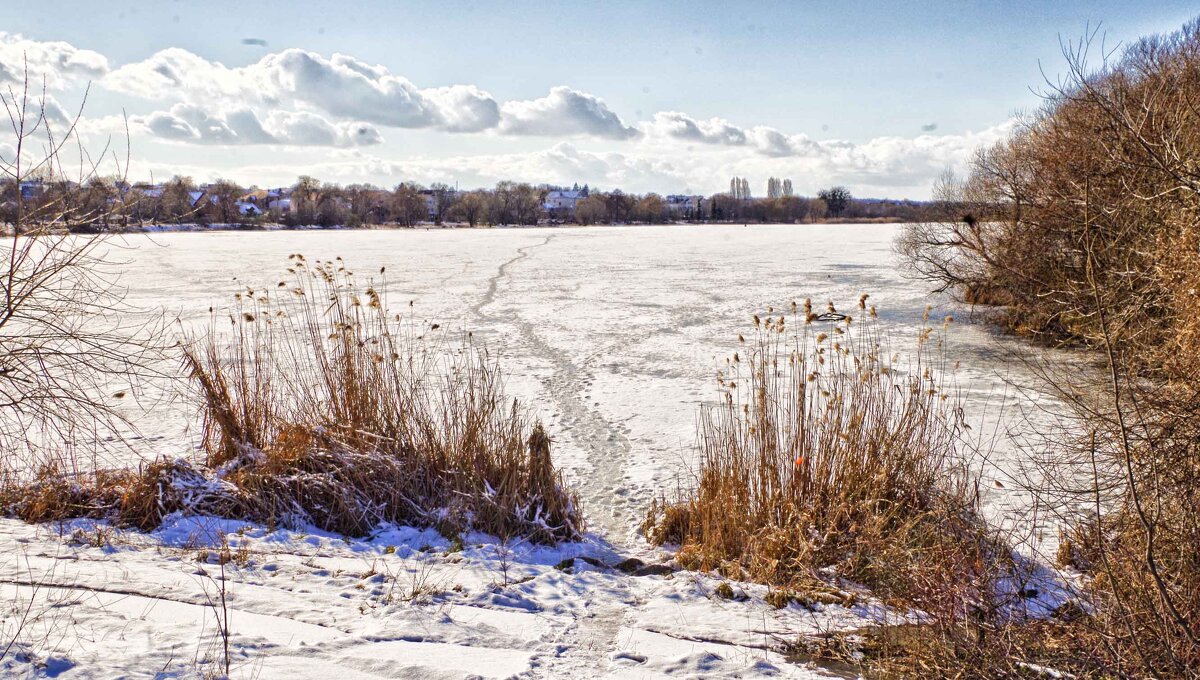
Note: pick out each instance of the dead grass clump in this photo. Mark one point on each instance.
(320, 406)
(129, 498)
(51, 496)
(823, 454)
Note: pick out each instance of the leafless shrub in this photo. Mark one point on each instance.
(68, 355)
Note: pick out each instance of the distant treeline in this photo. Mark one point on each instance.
(112, 204)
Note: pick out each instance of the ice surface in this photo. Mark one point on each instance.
(613, 336)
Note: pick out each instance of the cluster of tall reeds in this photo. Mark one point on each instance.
(825, 454)
(320, 405)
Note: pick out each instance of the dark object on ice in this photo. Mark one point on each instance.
(654, 570)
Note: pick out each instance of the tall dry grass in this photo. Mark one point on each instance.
(322, 406)
(823, 455)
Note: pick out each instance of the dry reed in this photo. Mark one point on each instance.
(321, 407)
(823, 454)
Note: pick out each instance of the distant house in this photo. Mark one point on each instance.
(149, 190)
(270, 200)
(248, 209)
(32, 189)
(256, 196)
(430, 197)
(561, 202)
(684, 207)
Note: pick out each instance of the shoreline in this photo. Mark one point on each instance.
(195, 227)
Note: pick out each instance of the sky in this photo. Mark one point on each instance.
(671, 97)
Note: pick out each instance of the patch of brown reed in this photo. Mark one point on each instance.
(137, 498)
(825, 454)
(321, 406)
(50, 496)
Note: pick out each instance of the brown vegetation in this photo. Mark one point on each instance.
(825, 458)
(321, 407)
(1085, 224)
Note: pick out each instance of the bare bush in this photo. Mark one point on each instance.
(69, 355)
(1084, 224)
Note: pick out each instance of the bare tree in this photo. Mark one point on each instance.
(472, 207)
(69, 354)
(408, 204)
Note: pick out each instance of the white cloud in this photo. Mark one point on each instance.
(176, 72)
(347, 88)
(340, 86)
(344, 87)
(564, 112)
(464, 108)
(57, 62)
(765, 140)
(191, 123)
(883, 159)
(682, 126)
(885, 166)
(301, 98)
(309, 129)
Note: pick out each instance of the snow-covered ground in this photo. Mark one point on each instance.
(402, 604)
(613, 336)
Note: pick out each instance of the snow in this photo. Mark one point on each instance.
(613, 337)
(398, 604)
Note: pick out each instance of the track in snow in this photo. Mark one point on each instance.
(603, 442)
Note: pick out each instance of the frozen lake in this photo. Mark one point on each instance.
(612, 334)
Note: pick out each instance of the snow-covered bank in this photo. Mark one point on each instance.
(190, 227)
(217, 226)
(103, 603)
